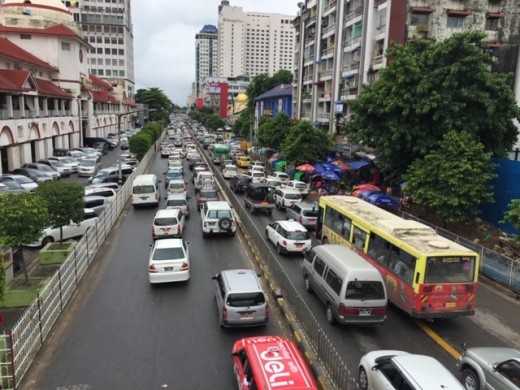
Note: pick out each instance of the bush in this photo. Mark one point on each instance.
(140, 143)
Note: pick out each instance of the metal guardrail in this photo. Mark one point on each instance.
(19, 346)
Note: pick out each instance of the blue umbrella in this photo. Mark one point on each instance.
(329, 175)
(365, 194)
(382, 200)
(332, 167)
(319, 168)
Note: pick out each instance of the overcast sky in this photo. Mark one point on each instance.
(164, 39)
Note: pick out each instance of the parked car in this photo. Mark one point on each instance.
(169, 261)
(105, 192)
(114, 186)
(44, 168)
(69, 162)
(288, 236)
(490, 368)
(4, 189)
(305, 213)
(388, 369)
(69, 231)
(96, 203)
(58, 166)
(33, 174)
(126, 170)
(101, 146)
(239, 183)
(11, 183)
(25, 182)
(88, 167)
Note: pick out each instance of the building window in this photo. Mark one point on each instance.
(357, 30)
(420, 18)
(492, 24)
(65, 46)
(456, 21)
(25, 36)
(100, 72)
(107, 51)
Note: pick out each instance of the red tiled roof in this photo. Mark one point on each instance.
(99, 82)
(48, 88)
(130, 102)
(14, 80)
(100, 96)
(113, 99)
(9, 49)
(56, 30)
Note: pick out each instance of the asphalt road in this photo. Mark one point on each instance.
(122, 333)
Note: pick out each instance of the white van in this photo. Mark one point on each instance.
(351, 288)
(145, 191)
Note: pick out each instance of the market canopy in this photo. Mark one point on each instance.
(357, 164)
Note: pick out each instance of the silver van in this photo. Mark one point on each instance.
(351, 288)
(240, 299)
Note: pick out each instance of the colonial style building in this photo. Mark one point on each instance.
(48, 99)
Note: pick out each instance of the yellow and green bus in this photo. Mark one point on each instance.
(219, 153)
(426, 274)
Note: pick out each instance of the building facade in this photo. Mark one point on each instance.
(48, 99)
(340, 45)
(250, 43)
(206, 51)
(108, 28)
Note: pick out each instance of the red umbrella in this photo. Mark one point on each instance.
(367, 186)
(305, 168)
(341, 164)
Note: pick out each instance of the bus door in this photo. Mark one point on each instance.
(359, 239)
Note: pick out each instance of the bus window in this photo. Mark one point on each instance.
(450, 269)
(378, 249)
(359, 238)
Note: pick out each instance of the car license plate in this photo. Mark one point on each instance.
(299, 245)
(168, 269)
(144, 197)
(450, 305)
(264, 203)
(312, 221)
(246, 315)
(365, 312)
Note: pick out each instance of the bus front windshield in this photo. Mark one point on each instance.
(450, 269)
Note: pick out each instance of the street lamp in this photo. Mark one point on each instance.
(120, 163)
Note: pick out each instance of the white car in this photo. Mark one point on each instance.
(176, 187)
(217, 217)
(169, 261)
(229, 171)
(70, 231)
(23, 181)
(288, 236)
(88, 167)
(105, 192)
(300, 186)
(282, 176)
(168, 223)
(389, 369)
(256, 176)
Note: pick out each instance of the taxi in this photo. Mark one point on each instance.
(242, 161)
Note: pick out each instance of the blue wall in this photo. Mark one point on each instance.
(506, 187)
(272, 104)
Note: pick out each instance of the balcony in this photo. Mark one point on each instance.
(329, 51)
(330, 6)
(326, 74)
(331, 28)
(354, 13)
(377, 59)
(353, 65)
(325, 96)
(308, 78)
(323, 117)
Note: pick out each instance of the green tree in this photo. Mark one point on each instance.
(140, 143)
(512, 215)
(454, 178)
(429, 89)
(243, 124)
(22, 220)
(64, 201)
(156, 99)
(305, 144)
(213, 121)
(283, 76)
(273, 131)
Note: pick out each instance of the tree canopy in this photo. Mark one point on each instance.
(454, 179)
(305, 144)
(273, 131)
(428, 90)
(64, 201)
(156, 99)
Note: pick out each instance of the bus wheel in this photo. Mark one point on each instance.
(363, 379)
(330, 315)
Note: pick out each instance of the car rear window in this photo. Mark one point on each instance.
(143, 189)
(245, 299)
(310, 213)
(176, 202)
(168, 254)
(292, 196)
(298, 235)
(208, 194)
(365, 290)
(165, 221)
(217, 214)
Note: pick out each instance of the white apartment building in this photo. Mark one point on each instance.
(108, 27)
(205, 55)
(250, 43)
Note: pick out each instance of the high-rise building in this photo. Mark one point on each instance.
(108, 27)
(250, 43)
(341, 45)
(205, 55)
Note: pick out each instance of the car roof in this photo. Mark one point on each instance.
(168, 243)
(218, 204)
(306, 206)
(423, 369)
(181, 195)
(94, 197)
(93, 190)
(292, 225)
(167, 213)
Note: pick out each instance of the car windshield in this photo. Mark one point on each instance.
(300, 185)
(12, 185)
(298, 235)
(45, 168)
(245, 299)
(55, 163)
(176, 186)
(68, 160)
(165, 221)
(88, 163)
(162, 254)
(293, 196)
(4, 189)
(23, 180)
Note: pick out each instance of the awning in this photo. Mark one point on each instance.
(357, 164)
(349, 73)
(459, 12)
(424, 10)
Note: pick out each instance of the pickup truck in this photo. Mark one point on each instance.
(259, 197)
